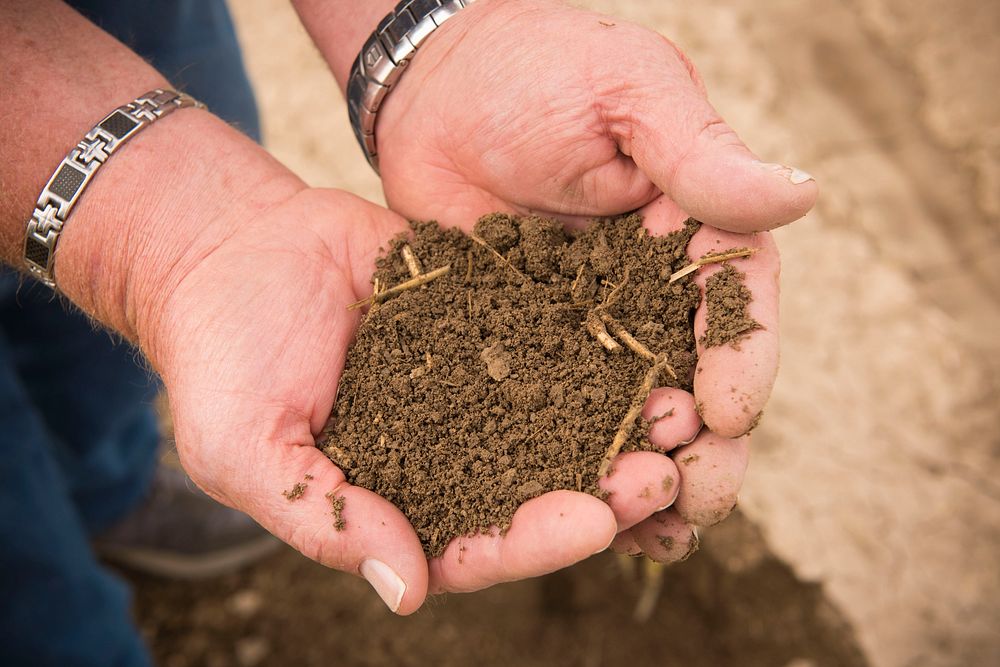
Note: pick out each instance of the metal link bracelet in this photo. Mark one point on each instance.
(75, 171)
(384, 58)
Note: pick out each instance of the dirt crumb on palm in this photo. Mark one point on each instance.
(296, 492)
(482, 389)
(726, 298)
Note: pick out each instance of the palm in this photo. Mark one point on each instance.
(254, 340)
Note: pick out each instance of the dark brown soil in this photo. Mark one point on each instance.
(337, 511)
(485, 387)
(726, 298)
(733, 606)
(297, 491)
(511, 374)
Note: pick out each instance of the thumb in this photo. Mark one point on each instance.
(682, 144)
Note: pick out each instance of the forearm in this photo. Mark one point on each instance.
(165, 198)
(340, 27)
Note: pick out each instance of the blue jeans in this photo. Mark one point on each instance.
(78, 434)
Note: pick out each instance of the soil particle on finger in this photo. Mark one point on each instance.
(726, 298)
(665, 415)
(464, 398)
(754, 423)
(665, 541)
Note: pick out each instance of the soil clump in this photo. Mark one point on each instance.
(487, 386)
(726, 298)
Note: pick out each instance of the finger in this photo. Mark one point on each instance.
(665, 537)
(681, 143)
(639, 484)
(712, 469)
(674, 420)
(625, 544)
(366, 536)
(733, 381)
(547, 533)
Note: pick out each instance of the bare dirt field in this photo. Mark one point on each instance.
(869, 531)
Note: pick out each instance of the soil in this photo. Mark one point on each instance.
(511, 374)
(726, 298)
(734, 605)
(337, 511)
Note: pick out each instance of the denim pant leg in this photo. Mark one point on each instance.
(93, 395)
(59, 606)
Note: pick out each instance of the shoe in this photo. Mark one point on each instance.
(179, 532)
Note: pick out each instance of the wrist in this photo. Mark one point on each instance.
(160, 205)
(340, 28)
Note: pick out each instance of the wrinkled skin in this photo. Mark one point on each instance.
(251, 343)
(530, 106)
(499, 111)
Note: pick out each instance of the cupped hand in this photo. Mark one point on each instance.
(533, 106)
(251, 344)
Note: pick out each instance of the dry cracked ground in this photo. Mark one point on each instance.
(869, 531)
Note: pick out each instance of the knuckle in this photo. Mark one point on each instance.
(687, 63)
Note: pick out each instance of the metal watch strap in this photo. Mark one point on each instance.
(385, 56)
(75, 171)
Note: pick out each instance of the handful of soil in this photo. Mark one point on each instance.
(505, 364)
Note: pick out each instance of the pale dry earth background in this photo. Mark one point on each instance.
(876, 472)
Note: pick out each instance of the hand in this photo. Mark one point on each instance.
(251, 343)
(533, 106)
(502, 110)
(530, 106)
(732, 384)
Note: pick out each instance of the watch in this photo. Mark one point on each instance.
(384, 58)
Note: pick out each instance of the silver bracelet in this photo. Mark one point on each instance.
(75, 171)
(385, 56)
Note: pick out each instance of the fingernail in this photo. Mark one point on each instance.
(797, 177)
(607, 546)
(794, 176)
(669, 485)
(691, 439)
(386, 583)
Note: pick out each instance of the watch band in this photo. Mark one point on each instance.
(75, 171)
(384, 58)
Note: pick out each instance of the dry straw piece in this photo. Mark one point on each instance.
(619, 332)
(475, 237)
(412, 263)
(422, 279)
(712, 259)
(596, 329)
(635, 409)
